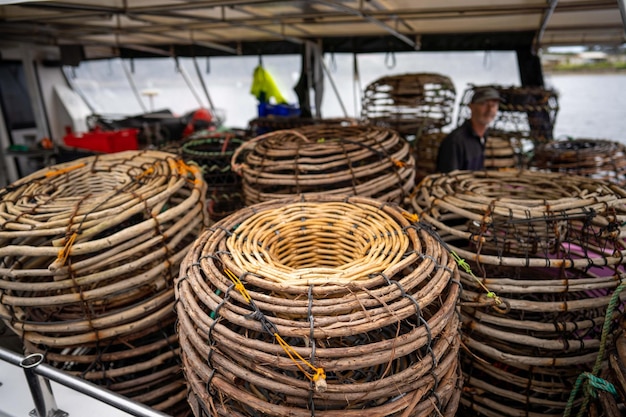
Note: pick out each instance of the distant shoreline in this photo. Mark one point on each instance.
(589, 68)
(584, 71)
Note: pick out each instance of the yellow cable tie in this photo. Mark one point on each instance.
(183, 168)
(412, 217)
(65, 251)
(321, 140)
(146, 172)
(238, 285)
(64, 170)
(463, 264)
(291, 353)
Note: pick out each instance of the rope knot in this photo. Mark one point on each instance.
(596, 383)
(64, 253)
(238, 285)
(319, 380)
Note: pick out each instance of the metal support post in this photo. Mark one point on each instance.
(40, 389)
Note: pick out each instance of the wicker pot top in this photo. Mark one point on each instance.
(96, 235)
(525, 214)
(353, 160)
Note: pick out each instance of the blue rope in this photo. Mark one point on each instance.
(599, 384)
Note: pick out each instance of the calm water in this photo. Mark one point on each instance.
(590, 105)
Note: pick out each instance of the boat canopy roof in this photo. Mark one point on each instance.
(91, 29)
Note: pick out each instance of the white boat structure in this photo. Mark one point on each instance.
(39, 38)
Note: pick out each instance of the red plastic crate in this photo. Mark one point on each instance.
(108, 141)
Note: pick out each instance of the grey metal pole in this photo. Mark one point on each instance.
(133, 87)
(40, 389)
(622, 10)
(332, 84)
(202, 83)
(185, 76)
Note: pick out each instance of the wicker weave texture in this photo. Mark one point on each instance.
(356, 160)
(409, 103)
(595, 158)
(550, 247)
(88, 254)
(212, 152)
(348, 284)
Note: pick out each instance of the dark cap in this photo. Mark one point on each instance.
(482, 94)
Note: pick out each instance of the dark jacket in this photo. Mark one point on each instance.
(462, 149)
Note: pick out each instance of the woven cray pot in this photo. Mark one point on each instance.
(212, 151)
(88, 254)
(348, 160)
(426, 148)
(265, 124)
(526, 114)
(409, 103)
(595, 158)
(542, 254)
(331, 305)
(499, 154)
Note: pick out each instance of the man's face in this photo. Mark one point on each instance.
(483, 113)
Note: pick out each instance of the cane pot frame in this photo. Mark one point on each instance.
(409, 103)
(89, 251)
(212, 152)
(551, 248)
(348, 284)
(595, 158)
(500, 154)
(350, 160)
(426, 148)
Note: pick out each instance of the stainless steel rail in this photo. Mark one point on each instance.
(42, 394)
(40, 389)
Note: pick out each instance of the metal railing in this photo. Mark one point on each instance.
(38, 376)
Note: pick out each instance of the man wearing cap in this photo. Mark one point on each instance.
(464, 147)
